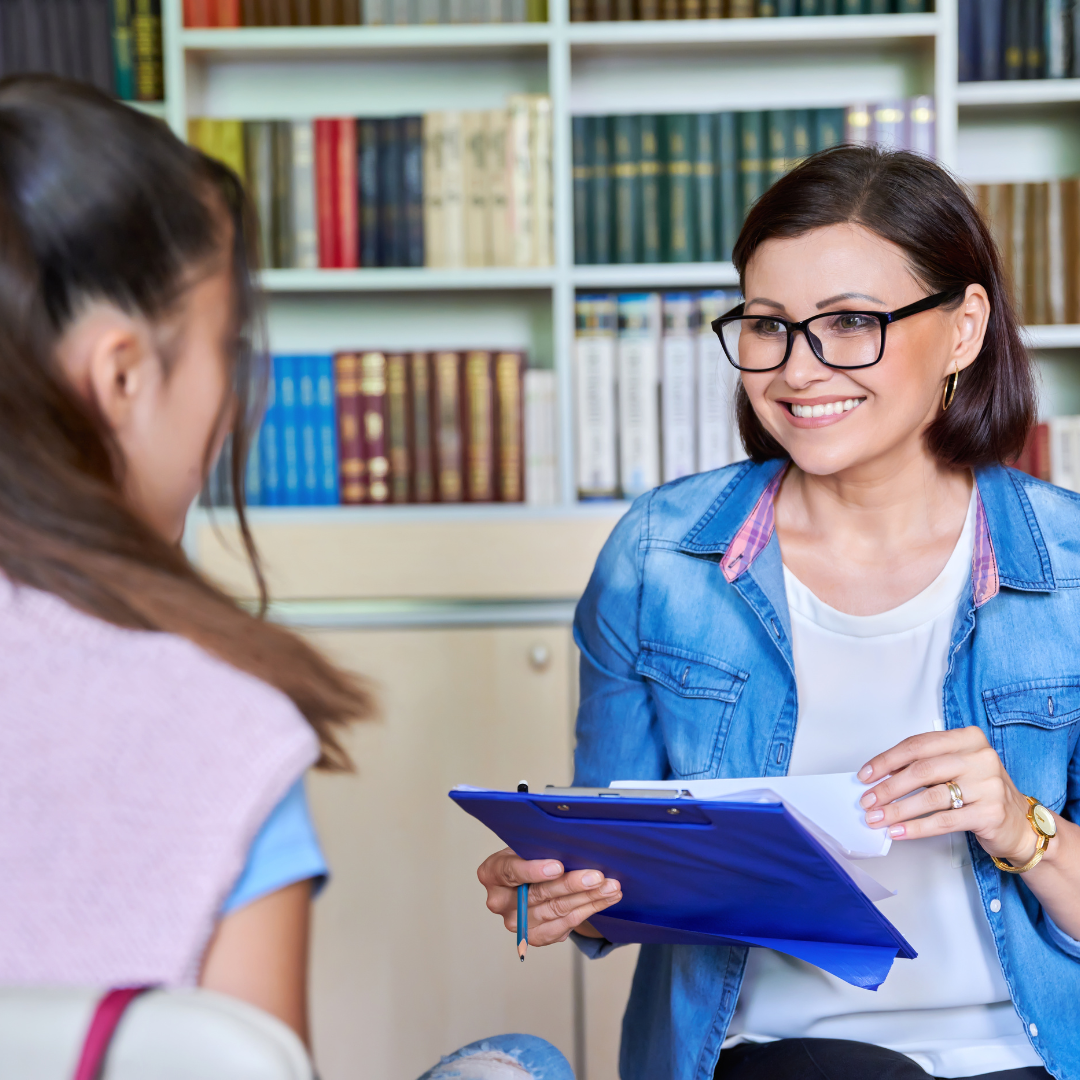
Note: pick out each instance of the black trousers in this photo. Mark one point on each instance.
(833, 1059)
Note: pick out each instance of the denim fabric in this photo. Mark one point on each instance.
(684, 674)
(505, 1057)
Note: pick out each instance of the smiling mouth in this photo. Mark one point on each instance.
(831, 408)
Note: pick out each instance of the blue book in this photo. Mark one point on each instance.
(285, 370)
(968, 39)
(253, 471)
(326, 431)
(307, 369)
(270, 447)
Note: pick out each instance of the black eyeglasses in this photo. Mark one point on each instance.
(839, 339)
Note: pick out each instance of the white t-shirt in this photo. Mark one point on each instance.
(866, 682)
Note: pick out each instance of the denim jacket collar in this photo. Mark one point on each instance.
(745, 528)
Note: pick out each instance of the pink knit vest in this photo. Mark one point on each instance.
(135, 770)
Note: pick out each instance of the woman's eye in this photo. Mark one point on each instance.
(769, 326)
(853, 322)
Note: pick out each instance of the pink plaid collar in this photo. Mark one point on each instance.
(756, 531)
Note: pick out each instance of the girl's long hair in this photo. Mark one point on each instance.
(99, 202)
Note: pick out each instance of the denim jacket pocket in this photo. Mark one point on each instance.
(1034, 726)
(695, 696)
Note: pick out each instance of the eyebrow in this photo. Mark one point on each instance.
(821, 304)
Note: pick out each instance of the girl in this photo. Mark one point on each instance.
(154, 733)
(872, 592)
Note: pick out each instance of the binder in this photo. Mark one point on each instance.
(743, 870)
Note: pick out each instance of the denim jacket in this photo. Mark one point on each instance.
(687, 671)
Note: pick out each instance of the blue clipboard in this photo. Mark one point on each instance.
(695, 872)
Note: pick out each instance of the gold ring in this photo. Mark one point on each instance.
(956, 795)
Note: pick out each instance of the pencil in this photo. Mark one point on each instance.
(523, 904)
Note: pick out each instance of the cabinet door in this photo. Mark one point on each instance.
(407, 962)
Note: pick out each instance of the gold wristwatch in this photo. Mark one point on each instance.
(1045, 827)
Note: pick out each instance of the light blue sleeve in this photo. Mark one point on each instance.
(284, 851)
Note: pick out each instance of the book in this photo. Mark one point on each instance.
(303, 215)
(1012, 44)
(728, 186)
(801, 145)
(888, 125)
(595, 348)
(1034, 39)
(475, 174)
(1057, 248)
(452, 164)
(579, 135)
(412, 190)
(639, 392)
(541, 437)
(1036, 309)
(434, 215)
(541, 190)
(1058, 15)
(649, 166)
(705, 224)
(269, 447)
(627, 184)
(352, 469)
(922, 128)
(307, 431)
(857, 124)
(677, 386)
(509, 426)
(600, 215)
(446, 422)
(389, 187)
(828, 128)
(146, 34)
(372, 378)
(346, 225)
(1063, 446)
(501, 227)
(990, 26)
(967, 40)
(258, 153)
(478, 428)
(680, 188)
(281, 196)
(398, 426)
(716, 379)
(521, 151)
(1070, 218)
(326, 193)
(367, 168)
(779, 150)
(751, 158)
(288, 429)
(123, 49)
(421, 428)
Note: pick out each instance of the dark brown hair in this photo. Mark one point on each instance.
(98, 201)
(914, 203)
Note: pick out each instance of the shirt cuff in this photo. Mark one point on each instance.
(1068, 945)
(594, 947)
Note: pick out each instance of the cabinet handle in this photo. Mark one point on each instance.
(540, 657)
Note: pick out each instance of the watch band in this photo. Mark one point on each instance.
(1042, 842)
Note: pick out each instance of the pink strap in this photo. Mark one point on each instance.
(110, 1009)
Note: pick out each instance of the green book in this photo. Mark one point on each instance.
(627, 170)
(728, 201)
(828, 128)
(582, 173)
(830, 7)
(787, 9)
(705, 186)
(283, 196)
(123, 43)
(851, 7)
(910, 7)
(679, 218)
(810, 7)
(649, 167)
(751, 158)
(258, 154)
(779, 143)
(766, 9)
(801, 136)
(600, 188)
(878, 7)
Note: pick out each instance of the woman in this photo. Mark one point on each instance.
(154, 733)
(872, 592)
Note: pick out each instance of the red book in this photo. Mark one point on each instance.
(347, 191)
(350, 431)
(326, 191)
(446, 423)
(1034, 459)
(196, 14)
(228, 13)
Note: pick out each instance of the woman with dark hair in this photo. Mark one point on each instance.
(873, 592)
(154, 733)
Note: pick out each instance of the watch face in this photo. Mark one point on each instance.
(1044, 820)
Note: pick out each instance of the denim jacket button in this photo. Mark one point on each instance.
(1034, 1031)
(995, 905)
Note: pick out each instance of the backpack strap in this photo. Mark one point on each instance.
(107, 1015)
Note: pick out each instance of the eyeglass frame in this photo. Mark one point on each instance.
(884, 318)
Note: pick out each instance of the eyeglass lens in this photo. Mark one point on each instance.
(841, 339)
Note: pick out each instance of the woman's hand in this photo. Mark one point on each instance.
(994, 810)
(558, 901)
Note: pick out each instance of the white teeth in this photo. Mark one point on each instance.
(828, 408)
(848, 404)
(831, 408)
(818, 410)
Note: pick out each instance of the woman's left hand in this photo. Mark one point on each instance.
(994, 810)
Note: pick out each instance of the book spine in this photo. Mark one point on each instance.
(510, 426)
(579, 11)
(375, 12)
(196, 14)
(990, 25)
(851, 7)
(595, 348)
(600, 190)
(778, 142)
(766, 9)
(1070, 228)
(888, 126)
(1013, 39)
(1056, 245)
(249, 13)
(828, 128)
(348, 229)
(412, 189)
(579, 128)
(1036, 256)
(304, 223)
(716, 379)
(270, 445)
(281, 231)
(627, 170)
(649, 166)
(228, 13)
(1057, 39)
(326, 191)
(541, 186)
(741, 9)
(373, 425)
(422, 446)
(910, 7)
(541, 438)
(397, 426)
(123, 49)
(639, 392)
(677, 390)
(810, 7)
(1018, 245)
(922, 126)
(521, 180)
(302, 13)
(713, 9)
(751, 158)
(499, 227)
(478, 397)
(801, 137)
(434, 221)
(1034, 37)
(389, 192)
(876, 7)
(967, 40)
(447, 425)
(857, 124)
(289, 429)
(704, 210)
(729, 209)
(787, 9)
(680, 188)
(307, 422)
(326, 432)
(146, 26)
(453, 190)
(669, 9)
(624, 10)
(477, 241)
(351, 465)
(99, 45)
(258, 151)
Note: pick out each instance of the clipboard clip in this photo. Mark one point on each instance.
(618, 793)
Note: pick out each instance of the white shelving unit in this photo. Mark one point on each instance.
(985, 132)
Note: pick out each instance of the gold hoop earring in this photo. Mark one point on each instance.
(950, 387)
